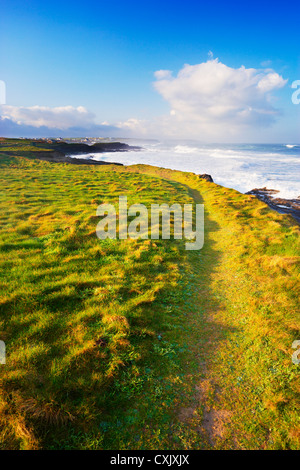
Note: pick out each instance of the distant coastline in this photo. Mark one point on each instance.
(54, 151)
(61, 151)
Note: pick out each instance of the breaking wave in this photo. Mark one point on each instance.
(241, 167)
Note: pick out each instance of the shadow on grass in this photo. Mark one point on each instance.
(138, 406)
(178, 358)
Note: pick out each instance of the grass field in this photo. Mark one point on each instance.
(140, 344)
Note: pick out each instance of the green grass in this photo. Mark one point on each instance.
(140, 344)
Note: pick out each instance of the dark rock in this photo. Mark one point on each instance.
(281, 205)
(60, 157)
(112, 147)
(206, 177)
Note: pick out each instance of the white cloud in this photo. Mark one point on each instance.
(211, 99)
(160, 74)
(271, 81)
(57, 117)
(135, 126)
(266, 63)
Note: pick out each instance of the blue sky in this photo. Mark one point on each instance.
(101, 57)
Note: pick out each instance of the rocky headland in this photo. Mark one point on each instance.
(62, 151)
(281, 205)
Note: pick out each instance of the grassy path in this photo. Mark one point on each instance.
(240, 387)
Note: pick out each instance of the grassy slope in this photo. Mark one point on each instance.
(141, 344)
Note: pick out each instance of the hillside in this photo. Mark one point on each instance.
(141, 344)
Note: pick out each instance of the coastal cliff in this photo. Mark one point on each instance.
(281, 205)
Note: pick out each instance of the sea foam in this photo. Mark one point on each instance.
(237, 166)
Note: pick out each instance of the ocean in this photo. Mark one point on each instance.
(239, 166)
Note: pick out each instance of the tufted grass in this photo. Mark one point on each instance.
(140, 344)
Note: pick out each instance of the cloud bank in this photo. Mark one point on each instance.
(207, 101)
(40, 121)
(37, 116)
